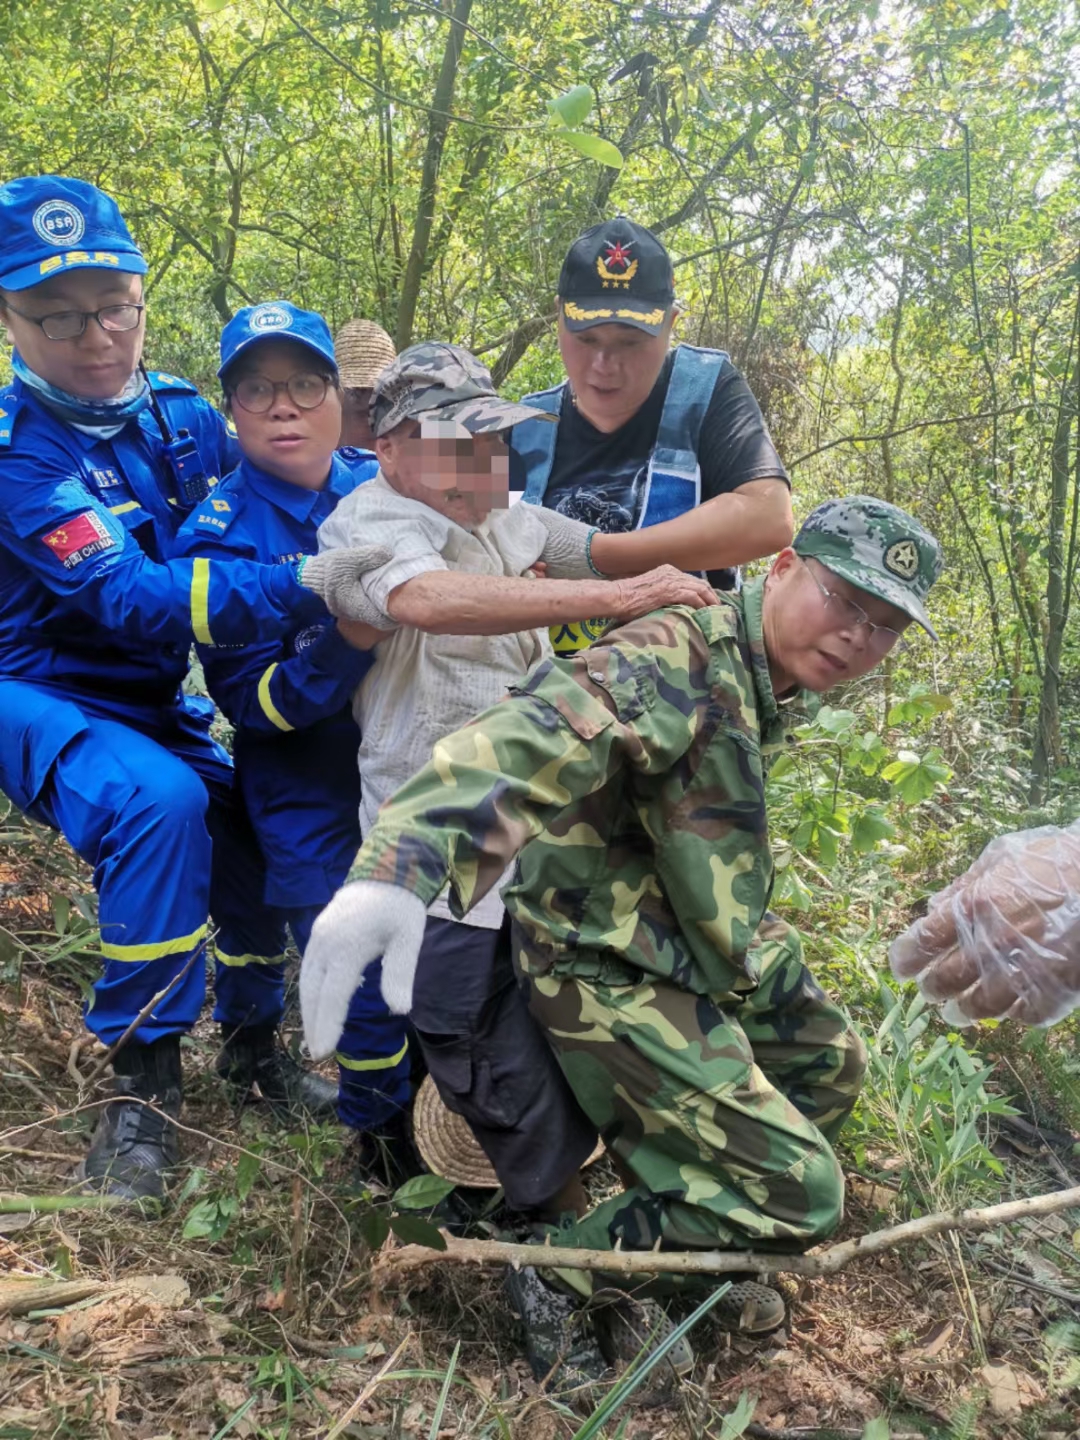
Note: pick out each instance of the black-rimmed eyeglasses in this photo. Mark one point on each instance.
(256, 394)
(67, 324)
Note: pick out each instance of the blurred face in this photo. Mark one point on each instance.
(95, 365)
(462, 478)
(355, 425)
(814, 636)
(292, 435)
(612, 369)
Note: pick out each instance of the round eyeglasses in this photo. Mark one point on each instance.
(880, 639)
(67, 324)
(256, 394)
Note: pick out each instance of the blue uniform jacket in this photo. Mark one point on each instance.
(89, 600)
(289, 700)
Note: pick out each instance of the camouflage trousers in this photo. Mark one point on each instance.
(719, 1111)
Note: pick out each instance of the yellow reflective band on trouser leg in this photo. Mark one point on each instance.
(239, 961)
(200, 601)
(136, 954)
(384, 1062)
(269, 709)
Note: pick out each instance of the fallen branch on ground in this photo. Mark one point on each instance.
(821, 1432)
(20, 1295)
(721, 1262)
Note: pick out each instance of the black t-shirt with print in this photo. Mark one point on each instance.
(599, 477)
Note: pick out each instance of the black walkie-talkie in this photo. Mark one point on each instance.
(182, 454)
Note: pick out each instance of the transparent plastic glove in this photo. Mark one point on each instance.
(363, 921)
(1003, 940)
(335, 577)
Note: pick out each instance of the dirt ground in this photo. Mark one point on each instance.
(257, 1315)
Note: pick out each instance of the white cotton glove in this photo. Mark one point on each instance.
(566, 553)
(335, 577)
(363, 921)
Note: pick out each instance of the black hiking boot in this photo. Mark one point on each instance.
(560, 1342)
(252, 1055)
(385, 1154)
(135, 1146)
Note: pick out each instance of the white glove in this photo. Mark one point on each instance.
(363, 921)
(335, 577)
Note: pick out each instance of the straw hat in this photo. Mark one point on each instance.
(447, 1145)
(363, 350)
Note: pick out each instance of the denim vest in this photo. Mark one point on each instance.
(673, 480)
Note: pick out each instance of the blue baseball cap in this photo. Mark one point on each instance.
(276, 320)
(51, 223)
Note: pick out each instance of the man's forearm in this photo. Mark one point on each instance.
(453, 602)
(746, 524)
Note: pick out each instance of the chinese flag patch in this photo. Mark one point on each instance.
(80, 538)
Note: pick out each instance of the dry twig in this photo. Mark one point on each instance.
(720, 1262)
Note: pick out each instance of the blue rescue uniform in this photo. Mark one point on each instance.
(295, 752)
(96, 738)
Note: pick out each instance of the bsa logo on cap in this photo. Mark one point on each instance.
(58, 223)
(270, 317)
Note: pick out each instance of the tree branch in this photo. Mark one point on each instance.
(723, 1262)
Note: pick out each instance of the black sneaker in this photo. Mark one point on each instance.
(135, 1148)
(560, 1342)
(253, 1055)
(629, 1327)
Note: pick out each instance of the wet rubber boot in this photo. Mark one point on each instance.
(135, 1146)
(253, 1055)
(749, 1308)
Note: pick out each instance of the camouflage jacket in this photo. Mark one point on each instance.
(630, 777)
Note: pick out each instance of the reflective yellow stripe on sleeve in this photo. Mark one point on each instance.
(200, 601)
(135, 954)
(384, 1062)
(269, 709)
(124, 508)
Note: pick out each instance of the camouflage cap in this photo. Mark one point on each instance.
(876, 546)
(443, 382)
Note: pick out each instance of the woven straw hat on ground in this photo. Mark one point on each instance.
(449, 1148)
(363, 350)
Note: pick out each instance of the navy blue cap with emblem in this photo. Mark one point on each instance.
(52, 223)
(275, 320)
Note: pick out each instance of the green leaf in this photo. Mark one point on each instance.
(415, 1231)
(835, 722)
(201, 1221)
(422, 1192)
(374, 1227)
(444, 1394)
(572, 107)
(593, 146)
(61, 909)
(870, 827)
(877, 1429)
(247, 1169)
(735, 1424)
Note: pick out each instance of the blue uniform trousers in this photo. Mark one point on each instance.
(146, 798)
(373, 1053)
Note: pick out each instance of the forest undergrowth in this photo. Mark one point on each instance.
(261, 1312)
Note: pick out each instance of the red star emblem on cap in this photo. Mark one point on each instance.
(618, 253)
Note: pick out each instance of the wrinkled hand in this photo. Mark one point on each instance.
(335, 577)
(359, 635)
(1003, 941)
(656, 588)
(363, 921)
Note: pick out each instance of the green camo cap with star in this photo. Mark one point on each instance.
(444, 384)
(876, 546)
